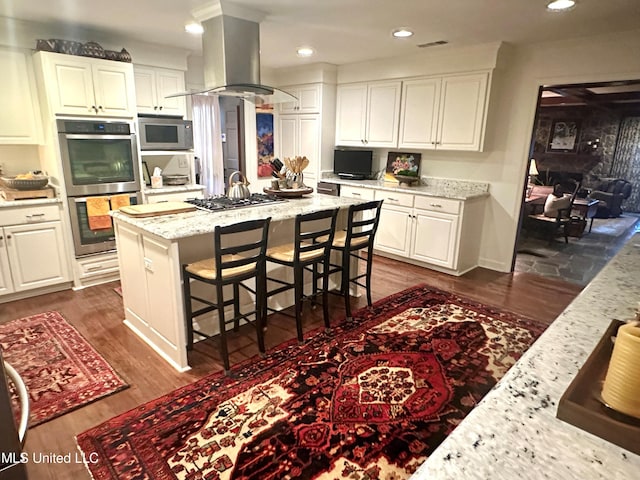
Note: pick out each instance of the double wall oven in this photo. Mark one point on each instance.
(99, 159)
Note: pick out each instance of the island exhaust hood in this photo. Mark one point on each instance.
(231, 54)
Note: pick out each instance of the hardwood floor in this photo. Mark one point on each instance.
(97, 313)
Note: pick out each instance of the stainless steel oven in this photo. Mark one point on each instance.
(98, 156)
(85, 240)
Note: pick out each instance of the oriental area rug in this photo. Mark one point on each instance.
(60, 369)
(369, 399)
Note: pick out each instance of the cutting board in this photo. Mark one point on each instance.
(156, 209)
(11, 194)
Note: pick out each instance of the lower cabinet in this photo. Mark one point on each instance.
(32, 256)
(441, 233)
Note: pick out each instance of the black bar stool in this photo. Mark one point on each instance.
(362, 224)
(311, 247)
(239, 255)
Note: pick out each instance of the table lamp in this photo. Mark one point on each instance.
(533, 171)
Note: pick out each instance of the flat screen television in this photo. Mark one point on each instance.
(353, 164)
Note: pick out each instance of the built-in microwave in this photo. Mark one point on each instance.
(165, 133)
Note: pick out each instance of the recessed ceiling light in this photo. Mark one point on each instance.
(560, 5)
(194, 28)
(402, 32)
(305, 51)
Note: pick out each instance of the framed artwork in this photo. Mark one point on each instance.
(145, 173)
(564, 136)
(402, 163)
(264, 130)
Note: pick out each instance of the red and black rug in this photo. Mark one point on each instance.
(369, 400)
(60, 369)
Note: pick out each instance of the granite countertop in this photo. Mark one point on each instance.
(182, 225)
(429, 186)
(172, 189)
(514, 432)
(27, 203)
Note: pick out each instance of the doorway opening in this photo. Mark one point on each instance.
(587, 134)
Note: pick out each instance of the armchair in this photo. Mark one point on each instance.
(611, 193)
(557, 212)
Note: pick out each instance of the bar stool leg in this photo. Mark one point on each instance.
(345, 282)
(261, 309)
(325, 296)
(188, 317)
(368, 277)
(223, 330)
(236, 306)
(298, 292)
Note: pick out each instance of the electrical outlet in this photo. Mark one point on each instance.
(148, 264)
(182, 163)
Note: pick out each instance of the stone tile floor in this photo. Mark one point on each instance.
(582, 258)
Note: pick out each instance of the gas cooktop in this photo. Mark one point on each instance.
(224, 203)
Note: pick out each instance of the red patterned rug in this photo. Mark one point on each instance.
(369, 400)
(61, 370)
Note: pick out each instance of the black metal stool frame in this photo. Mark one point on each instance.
(226, 258)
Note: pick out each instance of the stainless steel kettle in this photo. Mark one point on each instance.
(238, 190)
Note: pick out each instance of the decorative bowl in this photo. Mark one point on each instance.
(38, 182)
(406, 179)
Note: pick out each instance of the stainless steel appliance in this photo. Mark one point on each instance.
(225, 203)
(165, 133)
(12, 458)
(99, 159)
(85, 240)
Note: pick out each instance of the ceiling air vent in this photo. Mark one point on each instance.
(433, 44)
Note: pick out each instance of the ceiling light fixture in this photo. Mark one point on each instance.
(402, 32)
(194, 28)
(305, 51)
(560, 5)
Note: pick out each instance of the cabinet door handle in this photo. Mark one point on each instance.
(160, 107)
(94, 108)
(8, 236)
(436, 205)
(99, 107)
(155, 107)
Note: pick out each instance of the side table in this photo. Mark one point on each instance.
(587, 208)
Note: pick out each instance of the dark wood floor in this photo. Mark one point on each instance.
(97, 313)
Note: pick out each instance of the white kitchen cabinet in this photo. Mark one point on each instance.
(20, 121)
(308, 99)
(153, 85)
(36, 255)
(440, 233)
(87, 86)
(357, 192)
(368, 114)
(445, 113)
(32, 249)
(299, 135)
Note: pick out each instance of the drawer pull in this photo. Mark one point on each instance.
(392, 199)
(356, 194)
(35, 215)
(436, 205)
(94, 268)
(320, 189)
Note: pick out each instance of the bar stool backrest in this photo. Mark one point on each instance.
(240, 245)
(314, 234)
(362, 225)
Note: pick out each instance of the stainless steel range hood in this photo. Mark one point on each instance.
(231, 53)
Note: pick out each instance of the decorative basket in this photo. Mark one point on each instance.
(92, 49)
(124, 56)
(67, 46)
(45, 45)
(112, 55)
(38, 182)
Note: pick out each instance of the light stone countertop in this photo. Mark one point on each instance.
(513, 433)
(429, 186)
(173, 189)
(182, 225)
(27, 203)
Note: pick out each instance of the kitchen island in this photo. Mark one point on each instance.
(514, 432)
(152, 250)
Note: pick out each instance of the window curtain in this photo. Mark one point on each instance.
(207, 142)
(626, 160)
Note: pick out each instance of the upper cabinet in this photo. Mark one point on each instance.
(367, 114)
(20, 121)
(446, 113)
(152, 87)
(87, 86)
(308, 99)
